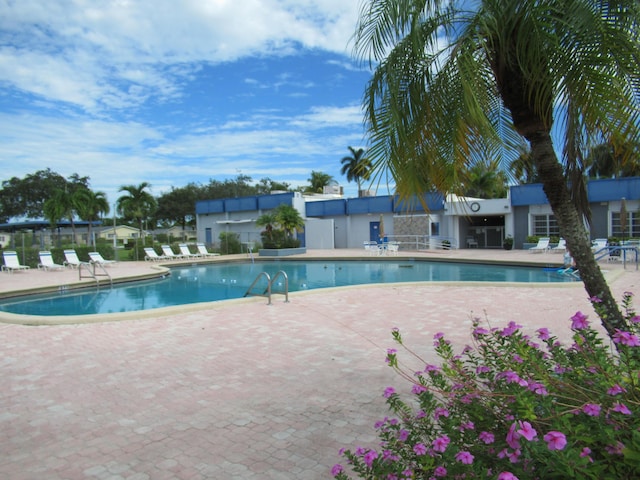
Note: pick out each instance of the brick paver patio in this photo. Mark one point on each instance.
(237, 389)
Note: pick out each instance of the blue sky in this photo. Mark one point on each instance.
(171, 92)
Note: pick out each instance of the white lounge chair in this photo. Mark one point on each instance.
(47, 263)
(11, 262)
(202, 250)
(542, 246)
(151, 255)
(72, 260)
(598, 244)
(370, 247)
(561, 247)
(186, 253)
(95, 257)
(166, 250)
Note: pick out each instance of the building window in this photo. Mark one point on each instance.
(633, 225)
(545, 226)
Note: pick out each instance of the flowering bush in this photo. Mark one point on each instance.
(514, 407)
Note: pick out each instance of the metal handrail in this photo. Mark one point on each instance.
(622, 251)
(268, 291)
(92, 272)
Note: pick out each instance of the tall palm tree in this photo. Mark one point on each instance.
(92, 209)
(455, 80)
(356, 167)
(137, 203)
(65, 203)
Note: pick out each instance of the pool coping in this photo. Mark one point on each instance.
(164, 268)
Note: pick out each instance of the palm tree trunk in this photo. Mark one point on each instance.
(572, 229)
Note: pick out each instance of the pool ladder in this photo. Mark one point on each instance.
(268, 291)
(91, 272)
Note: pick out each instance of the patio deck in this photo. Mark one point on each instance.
(239, 389)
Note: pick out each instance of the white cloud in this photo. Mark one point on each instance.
(114, 53)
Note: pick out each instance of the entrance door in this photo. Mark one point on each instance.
(374, 232)
(208, 237)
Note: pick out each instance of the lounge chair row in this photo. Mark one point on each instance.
(543, 246)
(12, 263)
(185, 253)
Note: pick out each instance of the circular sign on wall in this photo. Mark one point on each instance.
(475, 206)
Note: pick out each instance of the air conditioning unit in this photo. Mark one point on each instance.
(367, 193)
(332, 190)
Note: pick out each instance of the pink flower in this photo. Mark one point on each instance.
(579, 321)
(626, 338)
(480, 331)
(440, 472)
(615, 449)
(591, 409)
(616, 390)
(514, 456)
(635, 319)
(369, 457)
(337, 469)
(512, 437)
(419, 449)
(440, 444)
(510, 329)
(621, 408)
(585, 453)
(507, 476)
(555, 440)
(466, 426)
(389, 391)
(543, 333)
(418, 389)
(403, 435)
(440, 412)
(486, 437)
(464, 457)
(527, 431)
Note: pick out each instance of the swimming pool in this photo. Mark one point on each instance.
(224, 281)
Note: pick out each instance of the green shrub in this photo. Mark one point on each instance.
(230, 243)
(511, 407)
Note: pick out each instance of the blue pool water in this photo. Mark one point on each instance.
(207, 283)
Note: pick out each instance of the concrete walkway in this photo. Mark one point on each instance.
(238, 389)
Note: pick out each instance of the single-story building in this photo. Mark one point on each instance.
(423, 223)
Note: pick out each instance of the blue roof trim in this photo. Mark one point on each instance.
(604, 190)
(382, 204)
(325, 208)
(614, 189)
(434, 202)
(241, 204)
(530, 194)
(209, 206)
(268, 202)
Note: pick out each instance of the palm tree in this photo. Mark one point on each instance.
(318, 181)
(137, 203)
(92, 209)
(65, 204)
(457, 80)
(356, 167)
(605, 162)
(485, 179)
(267, 220)
(288, 218)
